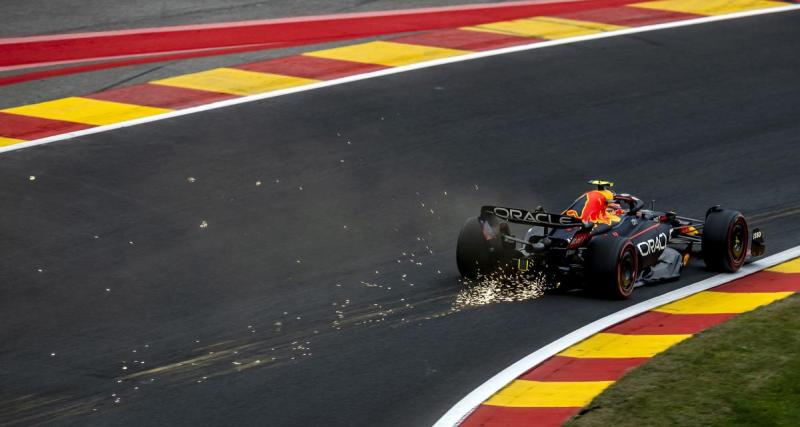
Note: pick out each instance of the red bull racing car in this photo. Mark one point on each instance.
(604, 241)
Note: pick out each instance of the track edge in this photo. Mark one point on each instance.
(456, 414)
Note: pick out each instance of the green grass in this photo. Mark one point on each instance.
(744, 372)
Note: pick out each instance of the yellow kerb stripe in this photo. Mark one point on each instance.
(545, 27)
(792, 266)
(622, 345)
(709, 7)
(389, 54)
(234, 81)
(710, 302)
(545, 394)
(9, 141)
(86, 111)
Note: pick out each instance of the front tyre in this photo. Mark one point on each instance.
(612, 265)
(473, 252)
(725, 241)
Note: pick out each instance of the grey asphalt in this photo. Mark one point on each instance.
(147, 279)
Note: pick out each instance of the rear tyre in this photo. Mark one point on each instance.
(612, 265)
(725, 241)
(473, 252)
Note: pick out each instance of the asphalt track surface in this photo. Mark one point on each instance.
(690, 116)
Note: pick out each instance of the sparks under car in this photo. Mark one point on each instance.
(604, 241)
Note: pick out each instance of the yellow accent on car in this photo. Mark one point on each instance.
(601, 182)
(690, 231)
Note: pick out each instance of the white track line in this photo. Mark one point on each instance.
(465, 406)
(396, 70)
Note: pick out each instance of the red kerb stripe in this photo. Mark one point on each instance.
(763, 281)
(657, 323)
(160, 96)
(293, 31)
(628, 16)
(500, 416)
(24, 127)
(310, 67)
(465, 40)
(560, 368)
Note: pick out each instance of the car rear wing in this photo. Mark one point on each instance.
(538, 218)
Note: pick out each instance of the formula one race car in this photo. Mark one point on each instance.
(604, 241)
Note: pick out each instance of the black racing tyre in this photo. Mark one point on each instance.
(726, 240)
(473, 253)
(612, 266)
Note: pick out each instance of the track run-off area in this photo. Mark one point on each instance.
(290, 260)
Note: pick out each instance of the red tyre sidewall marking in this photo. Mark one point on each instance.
(735, 264)
(635, 274)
